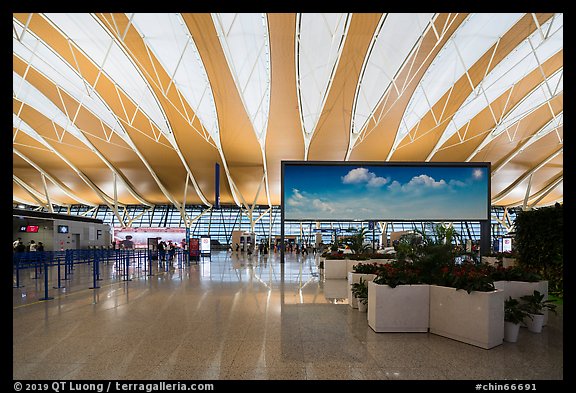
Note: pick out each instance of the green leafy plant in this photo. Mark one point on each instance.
(536, 305)
(360, 290)
(539, 244)
(512, 273)
(514, 312)
(367, 268)
(356, 242)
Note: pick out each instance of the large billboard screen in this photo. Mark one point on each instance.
(385, 191)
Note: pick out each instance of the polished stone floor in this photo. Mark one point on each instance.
(233, 317)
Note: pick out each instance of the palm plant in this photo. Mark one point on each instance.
(356, 242)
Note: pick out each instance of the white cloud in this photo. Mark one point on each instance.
(417, 184)
(297, 199)
(323, 206)
(363, 175)
(426, 181)
(304, 203)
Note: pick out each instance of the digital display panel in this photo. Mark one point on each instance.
(62, 228)
(385, 191)
(32, 228)
(205, 244)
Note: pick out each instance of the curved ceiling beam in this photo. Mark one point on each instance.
(244, 39)
(551, 126)
(332, 135)
(240, 149)
(135, 116)
(284, 137)
(128, 41)
(95, 81)
(105, 198)
(318, 46)
(381, 129)
(528, 104)
(501, 75)
(56, 182)
(90, 35)
(387, 56)
(468, 44)
(85, 139)
(33, 97)
(35, 194)
(524, 176)
(537, 197)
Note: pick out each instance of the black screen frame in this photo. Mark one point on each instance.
(447, 164)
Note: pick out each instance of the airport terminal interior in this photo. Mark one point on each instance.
(246, 196)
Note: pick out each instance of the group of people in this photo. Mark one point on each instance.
(166, 251)
(19, 246)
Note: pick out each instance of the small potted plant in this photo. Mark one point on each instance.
(535, 305)
(360, 291)
(514, 315)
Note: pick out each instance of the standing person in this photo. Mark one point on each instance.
(32, 246)
(16, 242)
(161, 252)
(171, 251)
(40, 247)
(128, 243)
(20, 247)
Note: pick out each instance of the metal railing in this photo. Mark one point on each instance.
(57, 268)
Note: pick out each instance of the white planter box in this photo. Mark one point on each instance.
(490, 260)
(354, 278)
(404, 308)
(335, 268)
(517, 289)
(476, 318)
(508, 262)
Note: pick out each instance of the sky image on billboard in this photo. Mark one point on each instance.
(385, 192)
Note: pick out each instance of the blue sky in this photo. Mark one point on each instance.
(372, 192)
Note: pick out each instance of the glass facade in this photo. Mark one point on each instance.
(219, 223)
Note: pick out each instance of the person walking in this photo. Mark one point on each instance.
(32, 246)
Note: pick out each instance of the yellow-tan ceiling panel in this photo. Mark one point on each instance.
(430, 129)
(332, 135)
(237, 137)
(200, 154)
(482, 124)
(376, 142)
(284, 139)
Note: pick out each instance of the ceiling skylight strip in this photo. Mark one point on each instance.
(473, 38)
(535, 99)
(89, 36)
(44, 60)
(319, 42)
(167, 36)
(386, 57)
(520, 62)
(245, 42)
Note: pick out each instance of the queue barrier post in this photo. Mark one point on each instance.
(46, 297)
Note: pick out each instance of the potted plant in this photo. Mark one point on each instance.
(365, 271)
(535, 305)
(514, 315)
(360, 291)
(398, 299)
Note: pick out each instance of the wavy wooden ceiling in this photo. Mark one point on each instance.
(145, 164)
